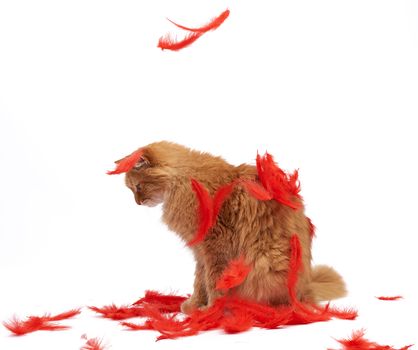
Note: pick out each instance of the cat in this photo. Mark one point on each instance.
(258, 230)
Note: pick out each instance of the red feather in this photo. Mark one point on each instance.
(264, 316)
(295, 265)
(168, 43)
(205, 212)
(312, 228)
(152, 296)
(256, 190)
(153, 302)
(164, 303)
(64, 315)
(397, 297)
(93, 344)
(35, 323)
(342, 314)
(118, 312)
(358, 342)
(32, 324)
(240, 320)
(212, 25)
(219, 198)
(137, 327)
(127, 163)
(283, 187)
(233, 275)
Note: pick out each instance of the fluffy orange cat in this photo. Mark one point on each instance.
(258, 230)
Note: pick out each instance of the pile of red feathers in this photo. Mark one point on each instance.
(229, 313)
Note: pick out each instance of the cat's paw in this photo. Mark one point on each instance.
(188, 306)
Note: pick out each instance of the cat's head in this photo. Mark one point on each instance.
(150, 171)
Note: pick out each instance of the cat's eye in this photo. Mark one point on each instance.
(138, 188)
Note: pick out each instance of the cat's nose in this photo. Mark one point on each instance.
(138, 199)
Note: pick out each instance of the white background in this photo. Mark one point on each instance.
(329, 87)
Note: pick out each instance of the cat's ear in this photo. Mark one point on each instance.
(141, 163)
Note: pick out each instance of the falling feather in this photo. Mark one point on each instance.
(169, 43)
(212, 25)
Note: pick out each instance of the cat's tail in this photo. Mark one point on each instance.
(326, 284)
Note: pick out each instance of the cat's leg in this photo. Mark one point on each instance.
(199, 297)
(214, 267)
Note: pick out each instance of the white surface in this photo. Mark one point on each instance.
(330, 87)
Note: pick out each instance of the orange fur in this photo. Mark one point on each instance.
(259, 230)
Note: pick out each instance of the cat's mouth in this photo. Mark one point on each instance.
(150, 203)
(146, 201)
(138, 199)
